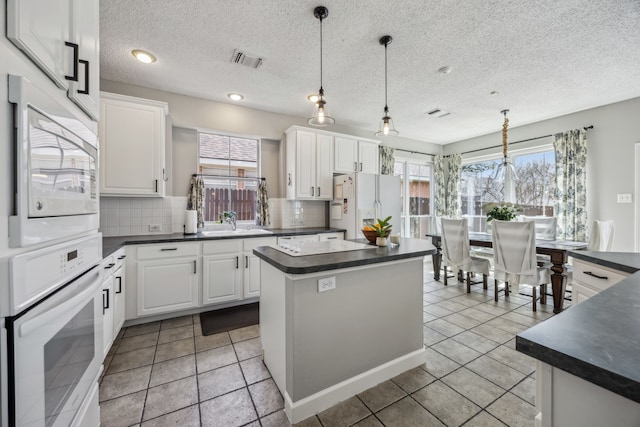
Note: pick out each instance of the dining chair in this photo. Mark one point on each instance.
(601, 236)
(545, 226)
(456, 253)
(515, 263)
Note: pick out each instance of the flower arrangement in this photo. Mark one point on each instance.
(503, 211)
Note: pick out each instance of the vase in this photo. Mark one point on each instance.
(381, 241)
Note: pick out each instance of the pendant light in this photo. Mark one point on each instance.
(506, 167)
(386, 124)
(320, 115)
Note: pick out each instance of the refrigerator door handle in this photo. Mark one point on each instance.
(355, 166)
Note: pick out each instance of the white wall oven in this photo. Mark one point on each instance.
(56, 156)
(54, 333)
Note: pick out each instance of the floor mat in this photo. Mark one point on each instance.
(226, 319)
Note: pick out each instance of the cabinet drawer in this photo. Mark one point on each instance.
(169, 250)
(221, 246)
(595, 276)
(251, 244)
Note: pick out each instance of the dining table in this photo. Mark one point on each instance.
(555, 249)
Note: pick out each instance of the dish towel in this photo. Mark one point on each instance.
(262, 217)
(195, 199)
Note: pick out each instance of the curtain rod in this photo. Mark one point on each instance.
(414, 152)
(229, 176)
(518, 142)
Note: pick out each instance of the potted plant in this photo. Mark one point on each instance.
(383, 229)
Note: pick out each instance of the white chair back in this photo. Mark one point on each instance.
(455, 242)
(514, 248)
(601, 237)
(545, 226)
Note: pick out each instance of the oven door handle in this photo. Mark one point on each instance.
(45, 318)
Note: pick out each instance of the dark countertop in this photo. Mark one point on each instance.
(112, 244)
(408, 248)
(597, 340)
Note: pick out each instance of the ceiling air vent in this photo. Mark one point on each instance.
(240, 57)
(438, 113)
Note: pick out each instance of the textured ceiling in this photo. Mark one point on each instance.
(545, 58)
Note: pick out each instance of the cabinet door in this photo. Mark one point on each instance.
(107, 313)
(167, 285)
(367, 157)
(221, 278)
(118, 300)
(580, 293)
(324, 167)
(345, 152)
(132, 151)
(40, 28)
(251, 275)
(305, 171)
(84, 31)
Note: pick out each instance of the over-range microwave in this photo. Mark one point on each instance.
(55, 170)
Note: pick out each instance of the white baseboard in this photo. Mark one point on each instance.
(324, 399)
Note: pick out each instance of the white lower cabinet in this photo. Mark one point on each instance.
(119, 289)
(589, 279)
(107, 313)
(167, 278)
(251, 275)
(221, 273)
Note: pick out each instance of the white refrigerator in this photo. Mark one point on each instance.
(361, 198)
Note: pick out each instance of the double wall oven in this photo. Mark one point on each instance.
(52, 305)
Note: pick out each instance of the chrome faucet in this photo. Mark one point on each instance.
(230, 218)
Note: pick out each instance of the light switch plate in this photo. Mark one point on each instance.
(624, 198)
(326, 284)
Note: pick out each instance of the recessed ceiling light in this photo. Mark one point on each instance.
(235, 96)
(313, 97)
(144, 57)
(444, 70)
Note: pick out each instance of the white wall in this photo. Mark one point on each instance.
(610, 158)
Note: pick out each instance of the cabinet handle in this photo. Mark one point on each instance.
(105, 305)
(318, 195)
(75, 47)
(119, 291)
(122, 257)
(164, 175)
(86, 77)
(237, 263)
(156, 185)
(331, 238)
(312, 191)
(360, 167)
(246, 261)
(109, 266)
(355, 166)
(168, 249)
(588, 273)
(195, 266)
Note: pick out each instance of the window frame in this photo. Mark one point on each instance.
(406, 217)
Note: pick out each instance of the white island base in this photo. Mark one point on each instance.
(323, 347)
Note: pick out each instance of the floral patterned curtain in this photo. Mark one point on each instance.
(387, 160)
(454, 180)
(195, 199)
(262, 217)
(439, 196)
(570, 204)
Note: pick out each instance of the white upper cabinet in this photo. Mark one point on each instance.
(132, 136)
(309, 160)
(353, 155)
(61, 37)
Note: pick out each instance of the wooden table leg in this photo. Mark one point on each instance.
(436, 257)
(558, 279)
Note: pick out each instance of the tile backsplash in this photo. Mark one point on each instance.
(131, 216)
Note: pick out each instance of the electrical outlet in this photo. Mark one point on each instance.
(155, 227)
(326, 284)
(624, 198)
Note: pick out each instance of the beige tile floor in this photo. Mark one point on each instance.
(167, 374)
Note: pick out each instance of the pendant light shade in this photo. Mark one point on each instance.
(386, 123)
(320, 115)
(506, 167)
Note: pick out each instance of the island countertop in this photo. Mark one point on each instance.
(408, 248)
(597, 340)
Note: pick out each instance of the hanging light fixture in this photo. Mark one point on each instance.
(506, 167)
(320, 115)
(386, 124)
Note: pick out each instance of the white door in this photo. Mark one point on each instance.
(107, 313)
(167, 285)
(367, 157)
(221, 278)
(345, 155)
(324, 167)
(305, 164)
(251, 275)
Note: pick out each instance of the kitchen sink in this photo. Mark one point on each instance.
(237, 232)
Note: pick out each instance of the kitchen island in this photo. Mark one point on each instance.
(336, 324)
(587, 371)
